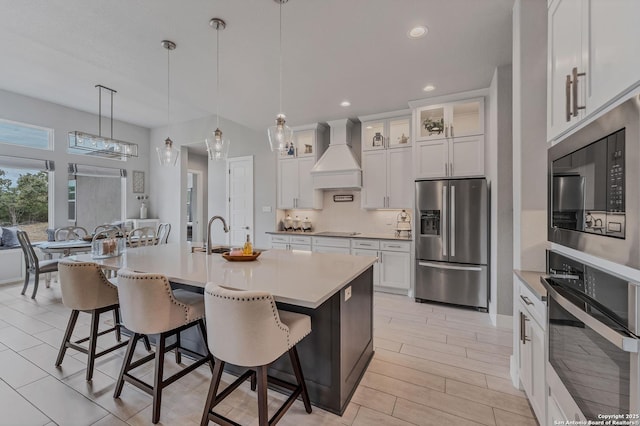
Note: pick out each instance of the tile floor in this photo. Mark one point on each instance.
(433, 365)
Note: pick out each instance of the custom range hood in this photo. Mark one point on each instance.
(338, 167)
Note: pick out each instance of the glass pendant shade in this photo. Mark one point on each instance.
(217, 146)
(280, 135)
(168, 155)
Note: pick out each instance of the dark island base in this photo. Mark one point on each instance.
(334, 356)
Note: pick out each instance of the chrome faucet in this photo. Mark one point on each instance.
(225, 227)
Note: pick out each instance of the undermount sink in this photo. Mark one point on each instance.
(216, 249)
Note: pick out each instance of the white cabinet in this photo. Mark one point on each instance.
(592, 58)
(291, 242)
(295, 188)
(451, 157)
(387, 179)
(449, 140)
(531, 324)
(330, 245)
(393, 269)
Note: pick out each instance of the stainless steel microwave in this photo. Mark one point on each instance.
(594, 187)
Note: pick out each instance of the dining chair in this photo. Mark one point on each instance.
(245, 328)
(67, 233)
(33, 264)
(163, 233)
(140, 237)
(104, 227)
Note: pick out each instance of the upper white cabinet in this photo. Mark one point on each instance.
(386, 133)
(449, 139)
(386, 161)
(592, 58)
(295, 188)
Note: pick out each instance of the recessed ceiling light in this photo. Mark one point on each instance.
(345, 103)
(417, 32)
(429, 88)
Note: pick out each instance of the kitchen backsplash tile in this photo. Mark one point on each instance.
(346, 216)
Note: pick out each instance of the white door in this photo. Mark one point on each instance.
(565, 40)
(395, 269)
(240, 199)
(466, 156)
(374, 179)
(399, 180)
(287, 183)
(306, 194)
(376, 266)
(614, 46)
(431, 159)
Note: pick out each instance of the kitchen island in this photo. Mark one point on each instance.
(335, 290)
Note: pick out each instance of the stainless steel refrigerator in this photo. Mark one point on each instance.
(452, 221)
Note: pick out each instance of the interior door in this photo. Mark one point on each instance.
(240, 198)
(432, 220)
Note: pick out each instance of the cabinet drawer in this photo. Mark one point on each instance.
(295, 239)
(395, 246)
(301, 247)
(331, 242)
(536, 307)
(365, 244)
(281, 246)
(279, 238)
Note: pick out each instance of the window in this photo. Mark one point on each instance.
(94, 195)
(24, 195)
(15, 133)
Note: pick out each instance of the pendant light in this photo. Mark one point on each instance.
(280, 135)
(217, 147)
(168, 154)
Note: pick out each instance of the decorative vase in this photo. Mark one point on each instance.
(143, 210)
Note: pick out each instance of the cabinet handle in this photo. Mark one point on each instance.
(567, 91)
(451, 169)
(394, 246)
(576, 74)
(446, 131)
(526, 300)
(446, 169)
(451, 127)
(523, 333)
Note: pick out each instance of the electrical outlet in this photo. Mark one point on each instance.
(347, 293)
(266, 209)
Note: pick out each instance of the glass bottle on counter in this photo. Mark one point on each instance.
(247, 250)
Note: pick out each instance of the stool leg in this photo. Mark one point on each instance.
(213, 391)
(145, 340)
(116, 322)
(131, 347)
(263, 409)
(177, 350)
(93, 340)
(35, 285)
(297, 370)
(157, 380)
(203, 333)
(67, 336)
(26, 282)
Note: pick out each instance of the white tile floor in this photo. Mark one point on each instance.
(433, 365)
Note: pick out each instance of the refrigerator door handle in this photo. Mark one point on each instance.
(454, 267)
(443, 222)
(453, 221)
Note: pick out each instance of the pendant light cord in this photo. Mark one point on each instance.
(280, 111)
(218, 76)
(168, 87)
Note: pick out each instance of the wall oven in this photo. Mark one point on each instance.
(592, 337)
(593, 203)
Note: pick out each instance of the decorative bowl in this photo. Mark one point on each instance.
(241, 258)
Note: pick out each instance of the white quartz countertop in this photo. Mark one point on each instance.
(294, 277)
(364, 235)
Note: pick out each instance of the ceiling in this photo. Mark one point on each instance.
(57, 50)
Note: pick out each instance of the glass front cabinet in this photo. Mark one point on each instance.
(386, 133)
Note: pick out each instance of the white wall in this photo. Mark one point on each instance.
(529, 134)
(171, 182)
(200, 163)
(62, 120)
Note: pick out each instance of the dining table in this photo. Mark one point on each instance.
(335, 290)
(63, 248)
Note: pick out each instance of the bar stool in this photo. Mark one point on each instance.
(149, 306)
(85, 289)
(245, 328)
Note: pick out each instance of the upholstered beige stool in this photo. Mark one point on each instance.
(245, 328)
(85, 289)
(149, 306)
